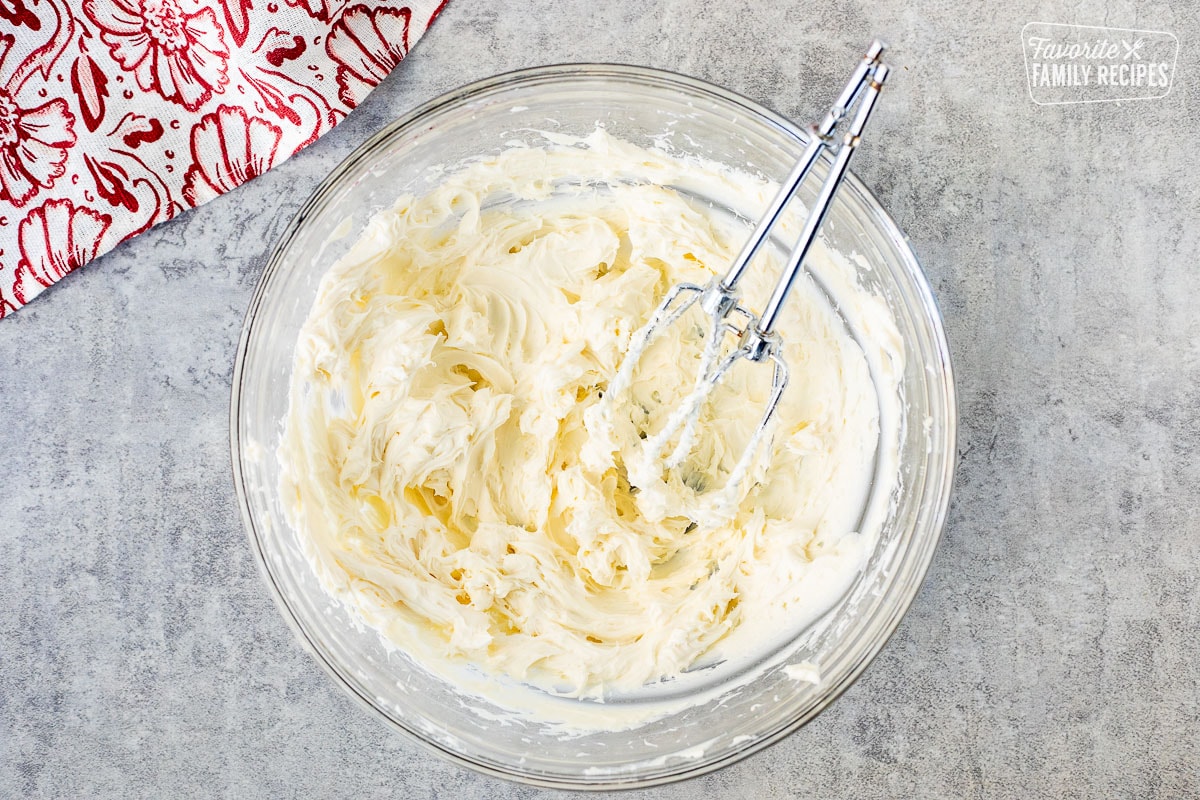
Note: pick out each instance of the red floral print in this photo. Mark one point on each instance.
(237, 19)
(367, 44)
(90, 86)
(56, 238)
(116, 115)
(320, 9)
(181, 56)
(33, 146)
(228, 149)
(15, 12)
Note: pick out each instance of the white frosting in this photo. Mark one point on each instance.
(450, 474)
(805, 671)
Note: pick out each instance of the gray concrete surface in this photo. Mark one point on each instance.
(1052, 651)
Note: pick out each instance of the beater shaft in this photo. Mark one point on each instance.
(812, 225)
(821, 137)
(757, 340)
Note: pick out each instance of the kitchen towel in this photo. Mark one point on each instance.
(116, 115)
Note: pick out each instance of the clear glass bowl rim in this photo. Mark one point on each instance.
(937, 487)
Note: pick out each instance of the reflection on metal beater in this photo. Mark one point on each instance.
(756, 339)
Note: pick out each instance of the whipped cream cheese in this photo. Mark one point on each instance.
(448, 472)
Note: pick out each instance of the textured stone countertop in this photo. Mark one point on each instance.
(1053, 650)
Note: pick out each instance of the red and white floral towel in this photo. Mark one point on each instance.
(116, 115)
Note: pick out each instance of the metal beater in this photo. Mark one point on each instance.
(756, 339)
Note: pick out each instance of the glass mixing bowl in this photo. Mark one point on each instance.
(636, 104)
